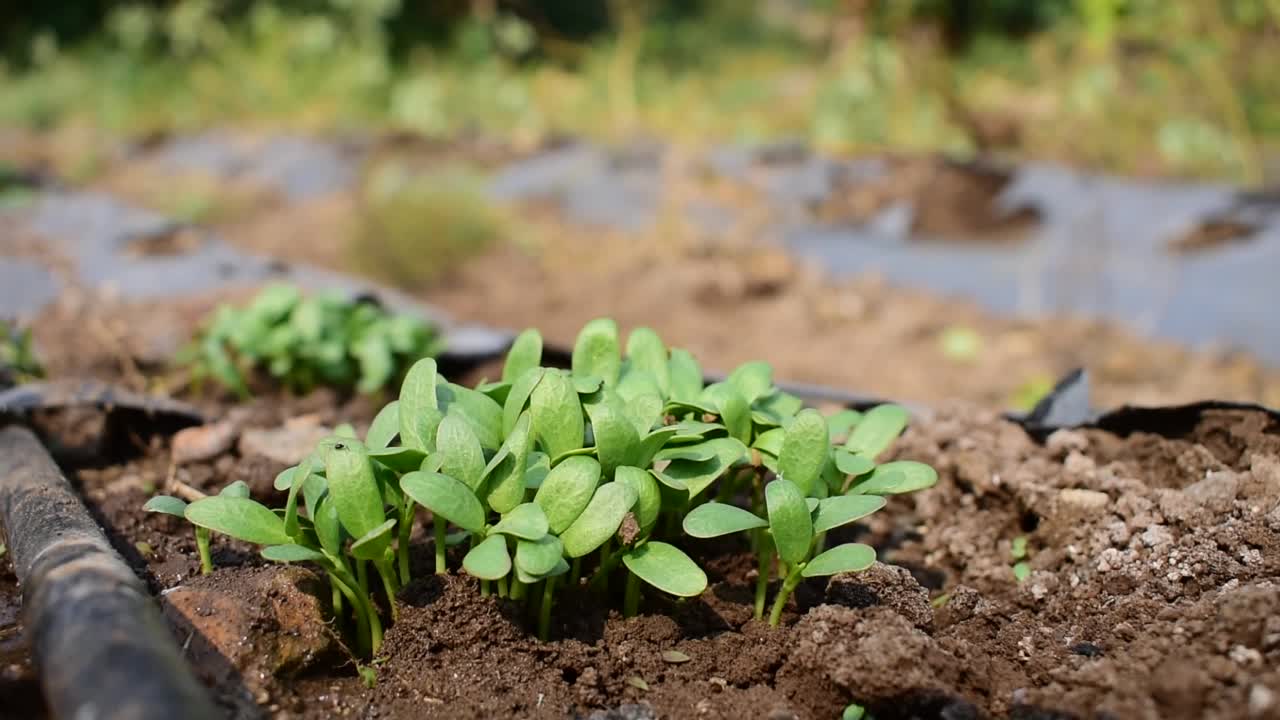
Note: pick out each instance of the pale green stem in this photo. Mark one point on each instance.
(402, 543)
(202, 545)
(788, 585)
(387, 571)
(502, 586)
(764, 548)
(544, 612)
(631, 599)
(440, 523)
(575, 572)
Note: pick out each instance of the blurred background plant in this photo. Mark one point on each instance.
(18, 360)
(413, 227)
(1166, 87)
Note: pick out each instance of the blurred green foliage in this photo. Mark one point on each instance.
(414, 228)
(1177, 87)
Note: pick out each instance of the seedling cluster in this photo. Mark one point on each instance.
(598, 473)
(306, 341)
(18, 361)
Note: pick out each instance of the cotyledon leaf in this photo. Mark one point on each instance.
(446, 497)
(686, 376)
(850, 557)
(241, 518)
(482, 412)
(489, 560)
(646, 352)
(521, 388)
(805, 447)
(600, 520)
(753, 380)
(419, 410)
(843, 509)
(504, 476)
(899, 476)
(526, 520)
(567, 490)
(789, 521)
(615, 435)
(352, 485)
(525, 353)
(556, 414)
(596, 351)
(648, 495)
(667, 568)
(877, 429)
(713, 519)
(385, 426)
(461, 456)
(539, 557)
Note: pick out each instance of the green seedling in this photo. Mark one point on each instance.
(18, 361)
(170, 505)
(819, 487)
(557, 479)
(304, 342)
(1018, 551)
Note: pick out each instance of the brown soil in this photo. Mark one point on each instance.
(1153, 595)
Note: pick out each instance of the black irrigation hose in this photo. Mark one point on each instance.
(100, 646)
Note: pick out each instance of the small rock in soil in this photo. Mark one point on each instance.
(203, 442)
(1083, 501)
(234, 637)
(1087, 649)
(886, 585)
(288, 445)
(872, 653)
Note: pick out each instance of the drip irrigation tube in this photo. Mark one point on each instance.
(99, 644)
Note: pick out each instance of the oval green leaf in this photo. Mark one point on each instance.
(851, 464)
(373, 545)
(401, 459)
(850, 557)
(788, 520)
(461, 456)
(539, 557)
(567, 490)
(504, 476)
(385, 426)
(877, 430)
(446, 497)
(615, 434)
(667, 568)
(841, 422)
(489, 560)
(352, 485)
(556, 413)
(241, 518)
(525, 353)
(753, 380)
(167, 504)
(521, 389)
(714, 519)
(899, 476)
(648, 495)
(238, 489)
(647, 353)
(328, 528)
(293, 553)
(804, 450)
(686, 376)
(596, 351)
(735, 411)
(844, 509)
(600, 520)
(770, 441)
(526, 520)
(482, 412)
(419, 411)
